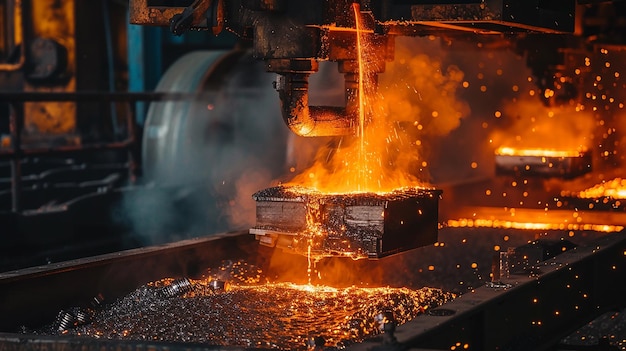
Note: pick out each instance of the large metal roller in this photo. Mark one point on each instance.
(231, 128)
(206, 156)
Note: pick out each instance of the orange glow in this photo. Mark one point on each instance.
(359, 48)
(332, 28)
(357, 165)
(510, 151)
(615, 189)
(495, 223)
(415, 98)
(565, 130)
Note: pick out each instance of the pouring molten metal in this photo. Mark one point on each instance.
(362, 197)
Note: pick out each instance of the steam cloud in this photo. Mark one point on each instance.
(213, 154)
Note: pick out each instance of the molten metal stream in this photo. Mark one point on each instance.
(382, 157)
(362, 161)
(308, 259)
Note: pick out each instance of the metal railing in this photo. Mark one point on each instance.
(16, 121)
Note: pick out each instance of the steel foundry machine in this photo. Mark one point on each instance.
(291, 40)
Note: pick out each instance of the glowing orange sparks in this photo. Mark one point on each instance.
(381, 158)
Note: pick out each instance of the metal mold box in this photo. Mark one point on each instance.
(358, 225)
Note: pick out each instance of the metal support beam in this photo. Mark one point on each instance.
(144, 63)
(15, 125)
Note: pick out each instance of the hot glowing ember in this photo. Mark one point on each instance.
(509, 151)
(615, 189)
(491, 223)
(540, 219)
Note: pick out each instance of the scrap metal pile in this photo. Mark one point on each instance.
(245, 310)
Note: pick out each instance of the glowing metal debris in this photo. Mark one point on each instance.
(269, 315)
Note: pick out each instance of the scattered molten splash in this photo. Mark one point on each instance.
(510, 151)
(615, 189)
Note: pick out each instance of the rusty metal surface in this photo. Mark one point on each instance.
(56, 21)
(141, 13)
(199, 14)
(494, 16)
(15, 28)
